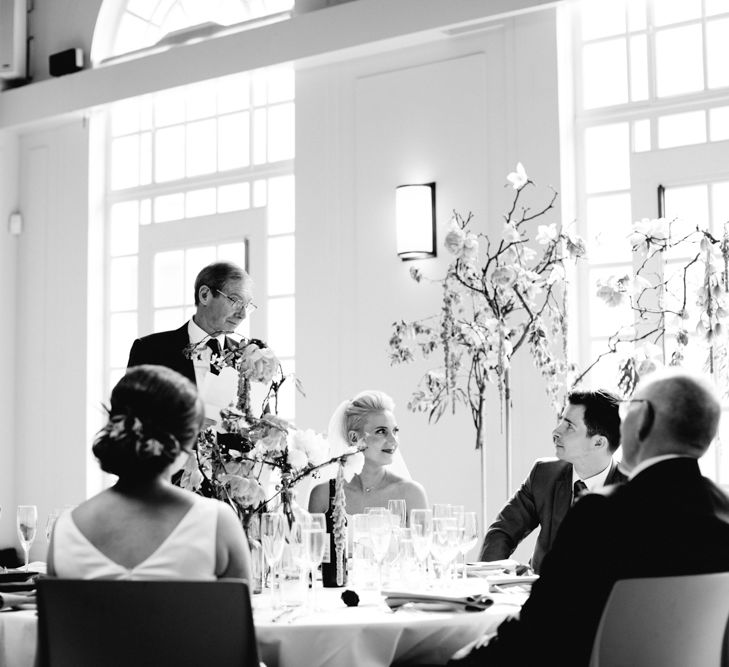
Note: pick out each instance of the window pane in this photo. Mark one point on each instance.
(638, 68)
(168, 318)
(604, 74)
(673, 11)
(712, 7)
(682, 129)
(169, 207)
(259, 193)
(609, 224)
(260, 136)
(122, 332)
(125, 162)
(281, 132)
(642, 135)
(124, 228)
(601, 18)
(679, 61)
(717, 52)
(234, 197)
(281, 329)
(195, 260)
(281, 210)
(636, 15)
(234, 146)
(281, 265)
(607, 158)
(145, 158)
(125, 117)
(720, 206)
(201, 148)
(689, 206)
(260, 87)
(281, 84)
(169, 146)
(168, 278)
(719, 123)
(233, 93)
(145, 212)
(200, 202)
(123, 283)
(201, 100)
(169, 107)
(287, 393)
(605, 373)
(233, 252)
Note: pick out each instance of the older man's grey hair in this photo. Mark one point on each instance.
(688, 408)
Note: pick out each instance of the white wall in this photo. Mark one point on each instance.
(460, 111)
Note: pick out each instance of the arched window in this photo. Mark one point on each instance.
(194, 174)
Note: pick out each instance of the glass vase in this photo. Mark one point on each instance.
(253, 533)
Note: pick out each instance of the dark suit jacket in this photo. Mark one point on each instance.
(667, 521)
(542, 501)
(165, 349)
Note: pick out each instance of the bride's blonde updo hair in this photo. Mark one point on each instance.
(155, 414)
(363, 404)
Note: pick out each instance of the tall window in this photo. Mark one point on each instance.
(652, 101)
(198, 174)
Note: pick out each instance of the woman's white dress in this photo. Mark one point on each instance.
(188, 552)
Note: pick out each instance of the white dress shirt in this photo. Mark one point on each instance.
(592, 483)
(201, 360)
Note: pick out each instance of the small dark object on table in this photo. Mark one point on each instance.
(350, 598)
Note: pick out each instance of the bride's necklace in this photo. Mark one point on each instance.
(375, 485)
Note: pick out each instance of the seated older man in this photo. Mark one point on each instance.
(666, 520)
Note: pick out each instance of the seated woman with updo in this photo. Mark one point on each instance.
(143, 527)
(369, 419)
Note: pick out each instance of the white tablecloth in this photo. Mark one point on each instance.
(369, 635)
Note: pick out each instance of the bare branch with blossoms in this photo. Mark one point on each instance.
(497, 295)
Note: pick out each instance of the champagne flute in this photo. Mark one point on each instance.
(361, 548)
(27, 523)
(273, 539)
(421, 526)
(441, 510)
(399, 509)
(380, 535)
(314, 543)
(467, 535)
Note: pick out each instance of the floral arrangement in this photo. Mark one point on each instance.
(496, 296)
(253, 463)
(675, 305)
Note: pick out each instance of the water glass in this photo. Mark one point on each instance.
(361, 562)
(421, 532)
(445, 542)
(380, 535)
(27, 523)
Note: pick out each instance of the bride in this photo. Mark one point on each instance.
(369, 420)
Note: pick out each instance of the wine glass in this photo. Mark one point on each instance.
(421, 527)
(314, 542)
(467, 534)
(380, 535)
(361, 548)
(441, 510)
(445, 542)
(399, 509)
(27, 522)
(273, 539)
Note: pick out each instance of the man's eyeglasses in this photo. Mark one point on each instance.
(239, 304)
(624, 405)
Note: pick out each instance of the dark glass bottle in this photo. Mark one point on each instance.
(333, 566)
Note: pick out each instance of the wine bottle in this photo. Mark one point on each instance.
(334, 569)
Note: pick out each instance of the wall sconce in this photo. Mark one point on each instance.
(415, 212)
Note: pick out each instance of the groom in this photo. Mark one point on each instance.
(223, 299)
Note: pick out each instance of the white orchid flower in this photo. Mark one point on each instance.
(519, 177)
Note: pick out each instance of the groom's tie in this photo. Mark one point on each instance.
(214, 346)
(579, 488)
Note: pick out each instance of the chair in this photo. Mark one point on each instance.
(665, 622)
(145, 623)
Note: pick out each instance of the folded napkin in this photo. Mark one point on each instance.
(478, 602)
(511, 580)
(490, 565)
(16, 600)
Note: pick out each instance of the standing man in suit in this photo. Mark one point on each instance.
(585, 438)
(223, 299)
(666, 520)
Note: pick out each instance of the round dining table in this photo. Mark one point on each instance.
(334, 635)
